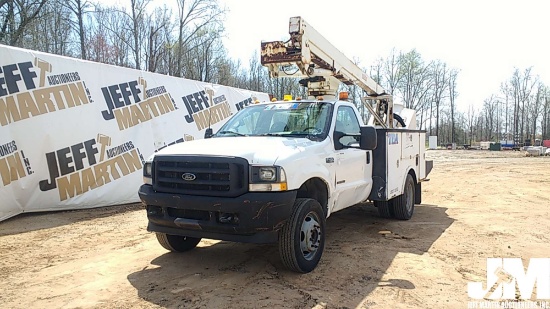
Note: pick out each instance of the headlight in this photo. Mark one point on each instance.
(148, 173)
(268, 173)
(267, 178)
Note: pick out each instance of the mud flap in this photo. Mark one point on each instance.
(418, 193)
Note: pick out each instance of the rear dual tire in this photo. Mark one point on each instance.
(400, 207)
(403, 205)
(384, 209)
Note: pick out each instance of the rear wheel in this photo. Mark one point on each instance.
(384, 209)
(177, 243)
(302, 238)
(403, 205)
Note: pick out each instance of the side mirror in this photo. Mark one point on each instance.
(368, 139)
(208, 133)
(336, 137)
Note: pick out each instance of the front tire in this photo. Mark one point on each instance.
(403, 205)
(302, 238)
(177, 243)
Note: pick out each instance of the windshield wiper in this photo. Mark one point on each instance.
(231, 132)
(289, 134)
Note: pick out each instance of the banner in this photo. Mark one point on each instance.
(74, 134)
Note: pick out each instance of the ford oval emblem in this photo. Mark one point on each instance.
(188, 176)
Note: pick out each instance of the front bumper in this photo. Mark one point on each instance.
(252, 217)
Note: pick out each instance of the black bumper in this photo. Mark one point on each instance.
(252, 217)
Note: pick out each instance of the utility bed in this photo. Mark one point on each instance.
(398, 150)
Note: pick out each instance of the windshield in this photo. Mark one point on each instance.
(293, 119)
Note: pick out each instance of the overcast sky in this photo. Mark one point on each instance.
(484, 39)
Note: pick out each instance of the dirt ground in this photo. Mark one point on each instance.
(478, 204)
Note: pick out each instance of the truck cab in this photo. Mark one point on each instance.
(244, 182)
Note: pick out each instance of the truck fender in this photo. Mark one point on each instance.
(328, 184)
(296, 181)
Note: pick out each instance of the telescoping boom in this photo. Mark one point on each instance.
(323, 67)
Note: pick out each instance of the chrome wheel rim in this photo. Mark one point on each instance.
(310, 236)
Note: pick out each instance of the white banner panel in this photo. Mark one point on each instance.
(74, 134)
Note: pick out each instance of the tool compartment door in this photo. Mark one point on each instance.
(394, 166)
(409, 145)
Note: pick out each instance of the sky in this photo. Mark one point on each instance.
(484, 39)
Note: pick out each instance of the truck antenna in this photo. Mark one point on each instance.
(210, 92)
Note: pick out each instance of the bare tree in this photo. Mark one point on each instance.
(126, 31)
(545, 125)
(205, 53)
(137, 11)
(193, 15)
(158, 39)
(375, 70)
(391, 70)
(471, 122)
(415, 81)
(99, 48)
(535, 109)
(522, 86)
(489, 112)
(440, 85)
(48, 32)
(258, 76)
(16, 17)
(78, 8)
(452, 105)
(506, 91)
(114, 35)
(230, 73)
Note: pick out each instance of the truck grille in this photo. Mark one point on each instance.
(200, 175)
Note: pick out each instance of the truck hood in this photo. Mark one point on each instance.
(256, 149)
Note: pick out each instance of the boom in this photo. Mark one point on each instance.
(309, 55)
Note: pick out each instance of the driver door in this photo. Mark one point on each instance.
(353, 172)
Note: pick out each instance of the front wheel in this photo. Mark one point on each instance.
(302, 238)
(177, 243)
(403, 205)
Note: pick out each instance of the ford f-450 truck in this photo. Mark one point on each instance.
(275, 171)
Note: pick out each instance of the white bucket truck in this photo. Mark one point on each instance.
(275, 171)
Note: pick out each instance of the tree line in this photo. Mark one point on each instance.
(187, 42)
(520, 112)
